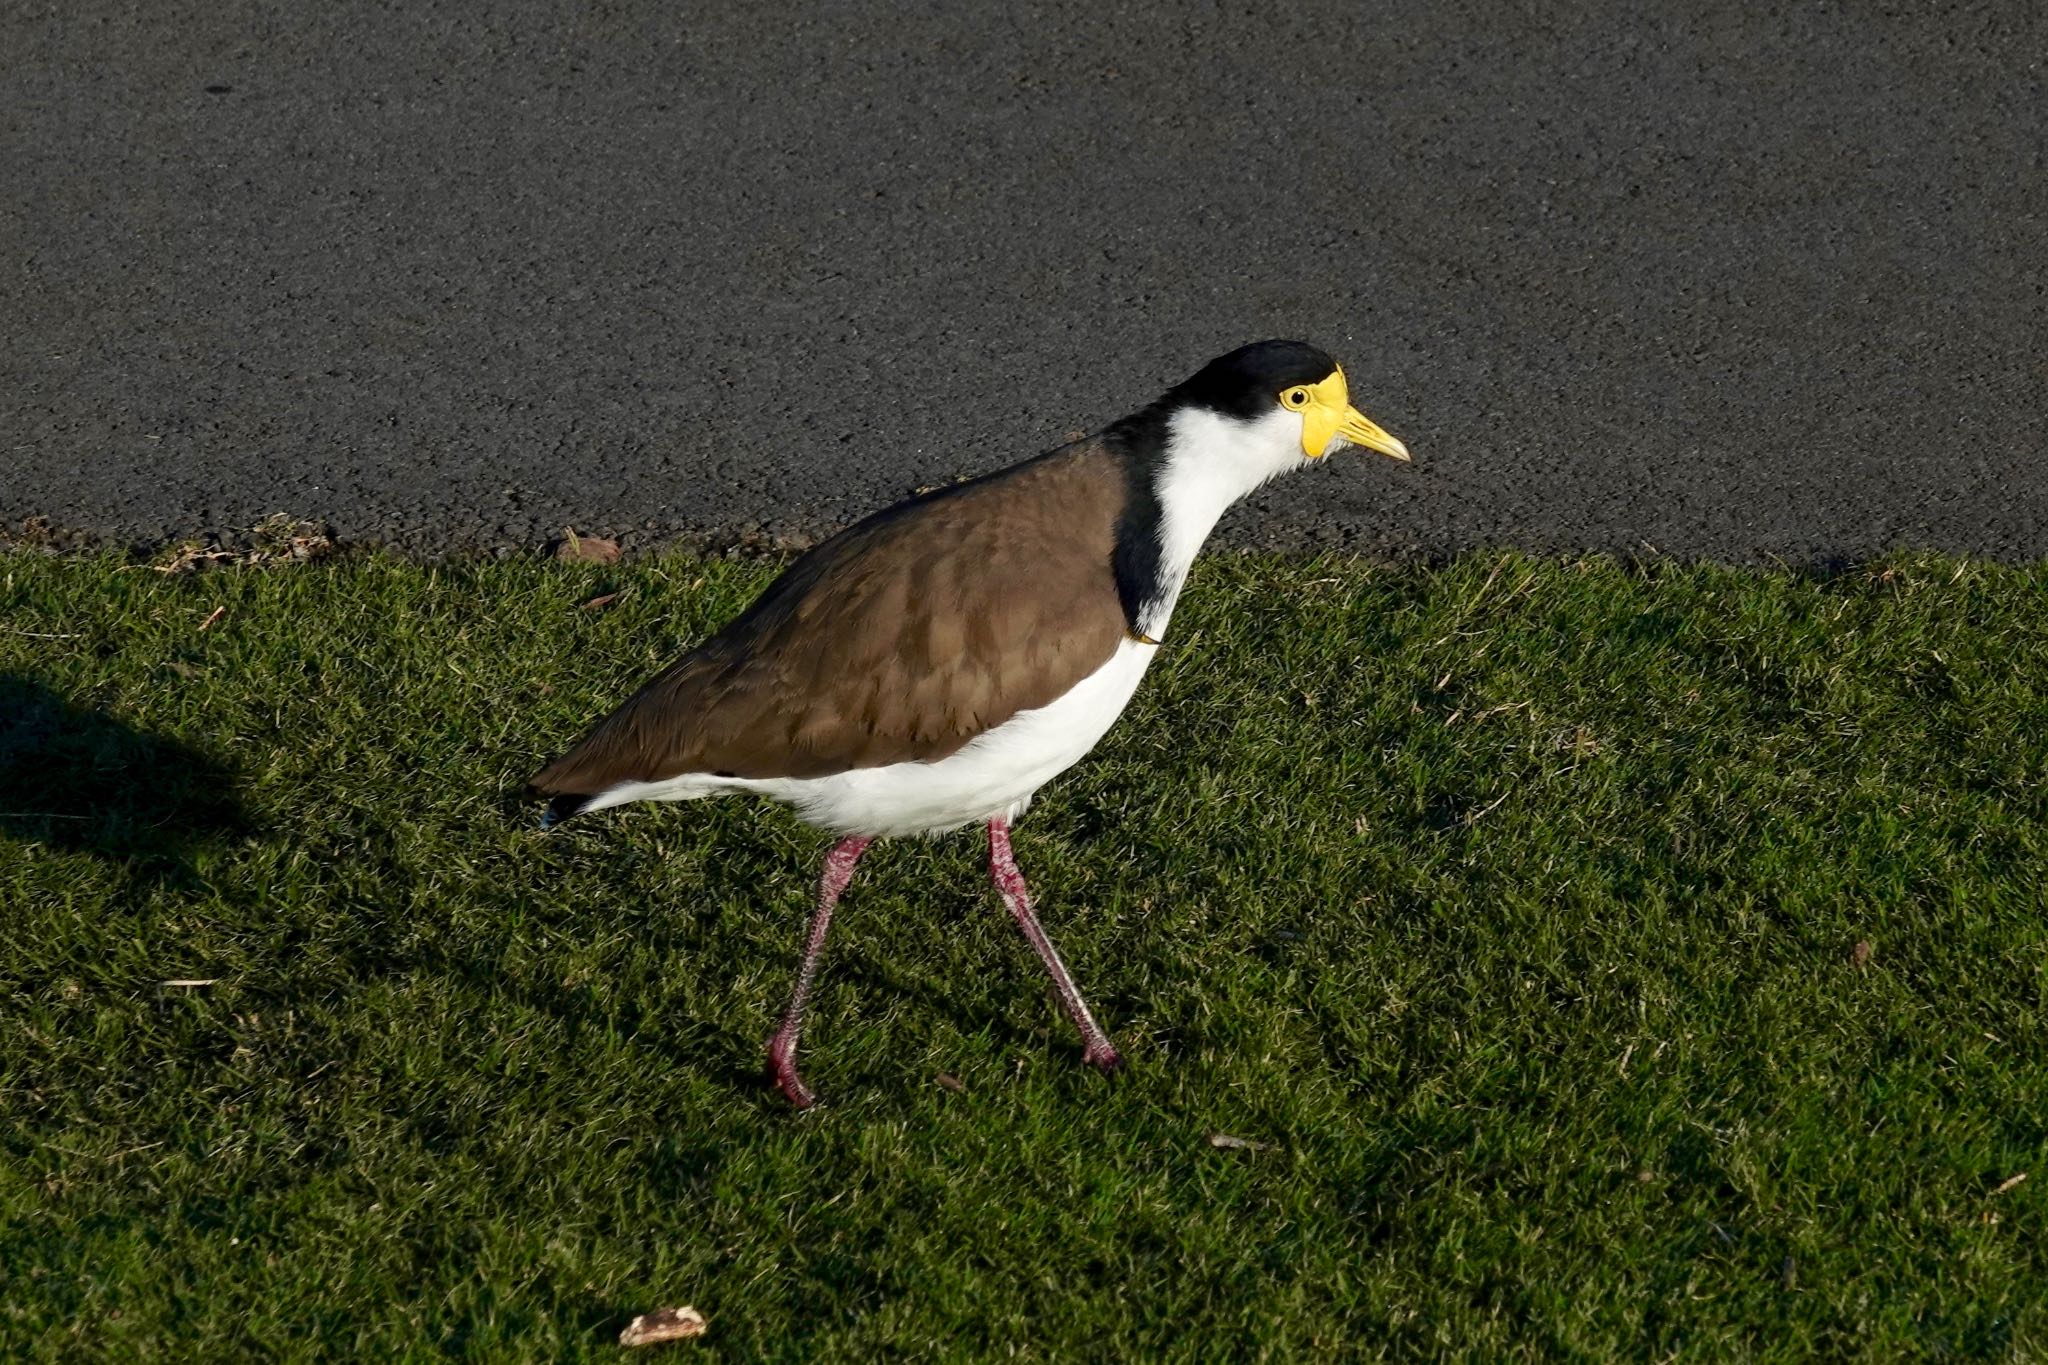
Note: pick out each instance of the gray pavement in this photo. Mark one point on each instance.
(1764, 281)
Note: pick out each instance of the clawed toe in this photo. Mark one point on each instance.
(782, 1070)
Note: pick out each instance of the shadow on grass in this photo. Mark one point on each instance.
(79, 780)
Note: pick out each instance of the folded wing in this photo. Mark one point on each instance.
(900, 639)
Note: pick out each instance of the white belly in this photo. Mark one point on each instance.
(992, 775)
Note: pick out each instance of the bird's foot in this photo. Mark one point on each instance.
(782, 1066)
(1101, 1055)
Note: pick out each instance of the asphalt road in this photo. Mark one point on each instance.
(1762, 282)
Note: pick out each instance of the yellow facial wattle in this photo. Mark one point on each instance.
(1326, 413)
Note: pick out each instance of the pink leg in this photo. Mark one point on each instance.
(782, 1047)
(1002, 868)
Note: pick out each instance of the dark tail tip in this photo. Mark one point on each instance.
(561, 808)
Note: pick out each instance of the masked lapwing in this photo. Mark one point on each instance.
(934, 665)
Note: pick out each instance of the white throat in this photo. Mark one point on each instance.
(1211, 461)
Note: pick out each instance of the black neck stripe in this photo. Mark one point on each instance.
(1137, 561)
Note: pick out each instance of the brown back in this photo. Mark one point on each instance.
(901, 638)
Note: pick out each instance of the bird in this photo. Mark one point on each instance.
(932, 666)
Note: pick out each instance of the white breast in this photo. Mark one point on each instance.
(994, 774)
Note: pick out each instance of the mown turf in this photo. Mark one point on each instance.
(1515, 905)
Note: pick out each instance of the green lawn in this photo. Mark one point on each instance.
(1515, 905)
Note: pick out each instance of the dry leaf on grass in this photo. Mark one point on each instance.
(278, 539)
(663, 1324)
(587, 549)
(948, 1081)
(601, 601)
(1225, 1142)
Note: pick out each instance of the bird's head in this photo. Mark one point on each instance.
(1288, 395)
(1244, 418)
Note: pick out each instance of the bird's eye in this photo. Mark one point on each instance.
(1295, 398)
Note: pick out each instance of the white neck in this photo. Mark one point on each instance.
(1211, 461)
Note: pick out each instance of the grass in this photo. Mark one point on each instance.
(1515, 905)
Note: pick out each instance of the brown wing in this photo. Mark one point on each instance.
(901, 638)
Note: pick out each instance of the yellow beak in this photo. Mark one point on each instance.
(1361, 430)
(1329, 414)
